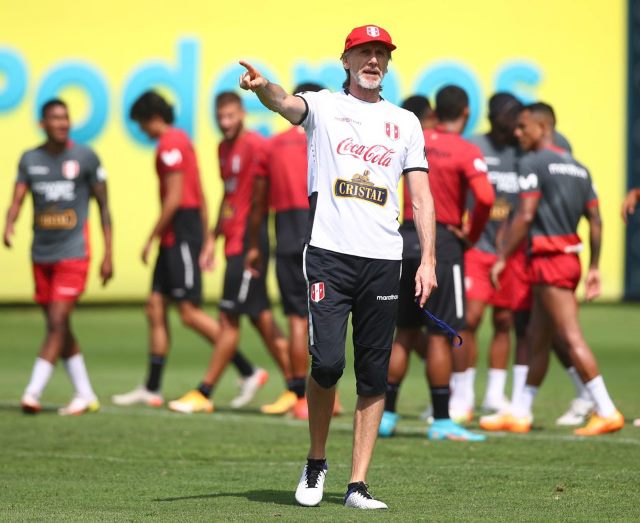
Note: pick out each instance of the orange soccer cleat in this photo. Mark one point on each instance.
(599, 425)
(506, 422)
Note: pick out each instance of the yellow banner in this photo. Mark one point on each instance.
(99, 56)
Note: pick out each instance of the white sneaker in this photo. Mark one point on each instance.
(30, 404)
(139, 395)
(495, 404)
(578, 413)
(358, 496)
(311, 486)
(78, 406)
(248, 388)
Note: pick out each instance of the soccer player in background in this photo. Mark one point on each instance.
(179, 230)
(555, 192)
(61, 176)
(241, 155)
(456, 166)
(359, 147)
(284, 189)
(410, 332)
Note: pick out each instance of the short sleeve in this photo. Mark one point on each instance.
(170, 157)
(529, 177)
(473, 162)
(416, 157)
(23, 175)
(312, 101)
(97, 173)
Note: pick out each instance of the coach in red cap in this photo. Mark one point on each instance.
(359, 146)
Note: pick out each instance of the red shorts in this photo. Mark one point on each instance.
(477, 280)
(60, 281)
(519, 281)
(558, 270)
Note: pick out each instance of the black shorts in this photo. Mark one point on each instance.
(409, 315)
(293, 286)
(243, 294)
(177, 272)
(368, 288)
(447, 302)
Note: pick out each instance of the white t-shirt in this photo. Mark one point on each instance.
(357, 152)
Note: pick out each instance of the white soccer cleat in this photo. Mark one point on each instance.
(30, 404)
(358, 496)
(427, 415)
(139, 395)
(311, 486)
(249, 387)
(578, 413)
(495, 404)
(78, 406)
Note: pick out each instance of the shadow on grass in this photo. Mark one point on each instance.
(279, 497)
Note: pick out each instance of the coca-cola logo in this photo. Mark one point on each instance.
(374, 154)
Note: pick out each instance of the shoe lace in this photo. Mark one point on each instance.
(363, 490)
(313, 475)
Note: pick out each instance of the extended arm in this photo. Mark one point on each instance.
(19, 192)
(484, 197)
(99, 191)
(424, 217)
(170, 206)
(592, 281)
(272, 96)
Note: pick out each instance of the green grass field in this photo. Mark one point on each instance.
(136, 464)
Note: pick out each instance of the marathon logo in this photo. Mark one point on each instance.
(389, 297)
(362, 188)
(57, 220)
(568, 169)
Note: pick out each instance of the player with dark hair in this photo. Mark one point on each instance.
(499, 147)
(359, 147)
(61, 176)
(179, 230)
(456, 167)
(410, 333)
(284, 189)
(241, 154)
(555, 192)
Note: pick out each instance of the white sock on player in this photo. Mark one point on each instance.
(581, 391)
(522, 407)
(40, 376)
(470, 384)
(599, 393)
(79, 376)
(496, 381)
(519, 381)
(458, 399)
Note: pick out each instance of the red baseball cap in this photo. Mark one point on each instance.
(366, 34)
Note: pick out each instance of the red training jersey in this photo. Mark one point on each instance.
(286, 167)
(175, 153)
(241, 160)
(455, 166)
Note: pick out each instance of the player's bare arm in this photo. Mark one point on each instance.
(19, 192)
(592, 284)
(207, 254)
(170, 206)
(99, 191)
(271, 95)
(629, 204)
(515, 234)
(253, 257)
(425, 219)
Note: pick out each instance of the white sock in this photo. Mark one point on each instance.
(79, 377)
(470, 383)
(457, 386)
(495, 386)
(598, 390)
(519, 381)
(40, 376)
(581, 391)
(524, 403)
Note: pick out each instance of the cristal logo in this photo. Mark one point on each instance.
(375, 154)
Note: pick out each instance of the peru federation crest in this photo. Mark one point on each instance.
(392, 130)
(317, 292)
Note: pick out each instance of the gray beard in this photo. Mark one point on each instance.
(368, 84)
